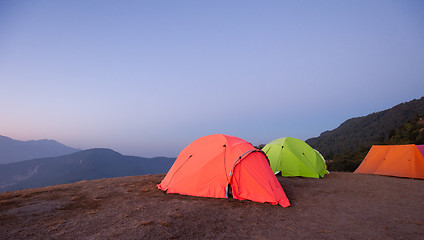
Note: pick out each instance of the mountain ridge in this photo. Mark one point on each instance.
(87, 164)
(12, 150)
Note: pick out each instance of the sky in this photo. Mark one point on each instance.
(146, 78)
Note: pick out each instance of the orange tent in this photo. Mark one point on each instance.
(211, 164)
(394, 160)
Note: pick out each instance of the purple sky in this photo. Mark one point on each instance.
(148, 77)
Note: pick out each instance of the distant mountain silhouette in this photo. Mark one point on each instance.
(14, 150)
(362, 132)
(83, 165)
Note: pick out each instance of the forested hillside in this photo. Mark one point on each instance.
(412, 132)
(347, 145)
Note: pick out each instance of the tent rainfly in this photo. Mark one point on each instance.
(394, 160)
(293, 157)
(213, 165)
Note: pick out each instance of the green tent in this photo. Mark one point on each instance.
(293, 157)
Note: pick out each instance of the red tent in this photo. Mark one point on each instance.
(211, 164)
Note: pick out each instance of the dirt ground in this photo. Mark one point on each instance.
(340, 206)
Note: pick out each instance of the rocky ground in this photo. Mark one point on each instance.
(340, 206)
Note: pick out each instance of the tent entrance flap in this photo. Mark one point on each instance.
(253, 179)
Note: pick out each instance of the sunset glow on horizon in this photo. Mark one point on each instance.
(147, 78)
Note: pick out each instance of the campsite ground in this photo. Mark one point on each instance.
(340, 206)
